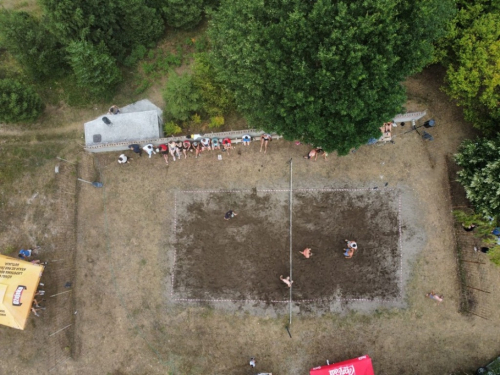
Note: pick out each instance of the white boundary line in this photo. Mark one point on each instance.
(175, 249)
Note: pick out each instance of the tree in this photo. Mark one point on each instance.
(29, 41)
(94, 69)
(325, 72)
(120, 24)
(18, 102)
(480, 174)
(217, 100)
(474, 76)
(140, 24)
(183, 14)
(181, 97)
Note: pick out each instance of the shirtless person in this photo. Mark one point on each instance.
(264, 140)
(307, 252)
(315, 152)
(197, 148)
(172, 148)
(348, 253)
(435, 297)
(352, 244)
(180, 148)
(286, 280)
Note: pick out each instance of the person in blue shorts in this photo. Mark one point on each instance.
(246, 140)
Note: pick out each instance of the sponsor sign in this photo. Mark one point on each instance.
(16, 297)
(344, 370)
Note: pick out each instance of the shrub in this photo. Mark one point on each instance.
(216, 122)
(27, 39)
(94, 68)
(18, 102)
(217, 100)
(138, 53)
(196, 118)
(183, 14)
(181, 97)
(171, 128)
(480, 174)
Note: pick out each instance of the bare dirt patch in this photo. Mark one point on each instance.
(233, 260)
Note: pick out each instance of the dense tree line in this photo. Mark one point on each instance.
(325, 72)
(90, 39)
(471, 53)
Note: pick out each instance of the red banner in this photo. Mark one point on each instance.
(358, 366)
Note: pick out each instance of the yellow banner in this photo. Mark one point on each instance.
(18, 283)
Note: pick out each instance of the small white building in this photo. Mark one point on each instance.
(138, 122)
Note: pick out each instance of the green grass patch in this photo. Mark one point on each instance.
(19, 159)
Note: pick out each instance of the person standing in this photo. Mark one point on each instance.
(252, 362)
(264, 140)
(136, 148)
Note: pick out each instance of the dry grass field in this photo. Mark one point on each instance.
(142, 228)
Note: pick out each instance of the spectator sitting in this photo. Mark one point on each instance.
(435, 297)
(469, 228)
(205, 144)
(186, 145)
(215, 144)
(226, 142)
(114, 110)
(163, 150)
(246, 139)
(23, 254)
(123, 159)
(197, 148)
(315, 152)
(149, 149)
(136, 148)
(180, 148)
(172, 148)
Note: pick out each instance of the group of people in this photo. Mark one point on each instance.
(176, 148)
(26, 254)
(307, 253)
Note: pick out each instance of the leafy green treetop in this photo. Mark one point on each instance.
(474, 76)
(18, 102)
(181, 97)
(94, 69)
(120, 24)
(30, 42)
(480, 174)
(326, 72)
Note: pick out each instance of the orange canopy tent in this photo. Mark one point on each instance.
(18, 283)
